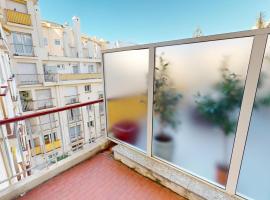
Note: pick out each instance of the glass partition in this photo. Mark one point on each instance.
(198, 91)
(254, 176)
(126, 93)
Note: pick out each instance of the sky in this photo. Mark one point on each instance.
(146, 21)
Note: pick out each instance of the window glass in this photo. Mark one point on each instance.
(126, 91)
(57, 42)
(197, 99)
(254, 176)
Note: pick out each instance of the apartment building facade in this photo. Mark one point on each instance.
(54, 66)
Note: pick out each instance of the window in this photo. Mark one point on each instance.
(46, 139)
(198, 95)
(101, 108)
(91, 69)
(89, 107)
(74, 114)
(45, 40)
(253, 181)
(75, 132)
(57, 42)
(22, 43)
(126, 87)
(91, 123)
(87, 88)
(100, 96)
(76, 69)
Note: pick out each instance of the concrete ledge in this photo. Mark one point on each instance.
(179, 182)
(33, 181)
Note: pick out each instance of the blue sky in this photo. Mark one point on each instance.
(144, 21)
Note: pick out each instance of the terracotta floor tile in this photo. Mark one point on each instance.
(100, 178)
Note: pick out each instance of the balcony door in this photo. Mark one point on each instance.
(23, 44)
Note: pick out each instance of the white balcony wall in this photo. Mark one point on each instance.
(12, 5)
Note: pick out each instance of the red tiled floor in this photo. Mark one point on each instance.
(100, 178)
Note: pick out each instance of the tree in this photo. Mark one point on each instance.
(197, 33)
(165, 97)
(261, 22)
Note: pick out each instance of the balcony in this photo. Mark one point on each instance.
(35, 105)
(48, 147)
(82, 76)
(29, 79)
(192, 115)
(71, 77)
(72, 99)
(21, 161)
(18, 17)
(22, 50)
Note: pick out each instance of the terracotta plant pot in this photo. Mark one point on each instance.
(126, 131)
(222, 172)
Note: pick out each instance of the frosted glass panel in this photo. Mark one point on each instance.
(126, 93)
(255, 175)
(197, 99)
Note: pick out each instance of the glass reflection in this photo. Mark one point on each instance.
(126, 92)
(254, 176)
(197, 99)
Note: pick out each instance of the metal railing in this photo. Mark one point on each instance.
(29, 79)
(71, 99)
(30, 152)
(31, 105)
(22, 49)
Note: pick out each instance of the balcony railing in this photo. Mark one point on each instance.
(31, 105)
(71, 99)
(81, 76)
(68, 76)
(22, 50)
(18, 17)
(21, 153)
(29, 79)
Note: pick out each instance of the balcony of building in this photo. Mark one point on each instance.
(29, 79)
(35, 105)
(17, 17)
(26, 50)
(50, 146)
(190, 114)
(72, 99)
(63, 77)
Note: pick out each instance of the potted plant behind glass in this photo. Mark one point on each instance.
(165, 102)
(219, 111)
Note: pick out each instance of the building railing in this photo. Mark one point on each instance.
(31, 105)
(29, 79)
(71, 99)
(79, 76)
(18, 17)
(29, 153)
(56, 77)
(22, 49)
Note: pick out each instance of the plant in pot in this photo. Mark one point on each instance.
(165, 102)
(219, 110)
